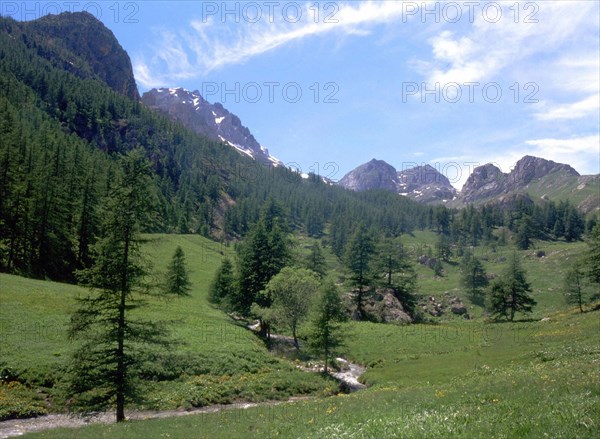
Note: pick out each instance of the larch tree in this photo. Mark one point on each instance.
(113, 341)
(359, 255)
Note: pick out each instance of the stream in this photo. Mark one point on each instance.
(17, 427)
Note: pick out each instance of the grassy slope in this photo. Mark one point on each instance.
(456, 379)
(526, 380)
(230, 363)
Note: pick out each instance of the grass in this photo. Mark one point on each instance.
(542, 381)
(34, 317)
(456, 378)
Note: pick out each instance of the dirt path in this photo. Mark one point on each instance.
(18, 427)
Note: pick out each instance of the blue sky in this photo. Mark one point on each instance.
(453, 84)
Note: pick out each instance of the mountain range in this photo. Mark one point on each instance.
(532, 178)
(80, 44)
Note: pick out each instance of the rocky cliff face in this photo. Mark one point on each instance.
(79, 43)
(425, 184)
(531, 168)
(488, 181)
(485, 181)
(211, 120)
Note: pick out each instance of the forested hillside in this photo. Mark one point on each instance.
(61, 131)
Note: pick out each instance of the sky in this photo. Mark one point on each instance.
(327, 86)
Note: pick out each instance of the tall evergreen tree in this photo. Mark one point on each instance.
(359, 255)
(473, 278)
(177, 279)
(104, 366)
(223, 287)
(524, 233)
(574, 285)
(592, 258)
(398, 272)
(264, 252)
(315, 260)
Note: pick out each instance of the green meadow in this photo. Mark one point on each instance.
(449, 377)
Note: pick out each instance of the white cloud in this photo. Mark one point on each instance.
(208, 45)
(575, 110)
(487, 48)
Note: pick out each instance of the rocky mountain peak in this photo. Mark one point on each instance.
(530, 168)
(80, 43)
(422, 183)
(211, 120)
(375, 174)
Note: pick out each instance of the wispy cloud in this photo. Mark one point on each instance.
(486, 48)
(575, 110)
(209, 44)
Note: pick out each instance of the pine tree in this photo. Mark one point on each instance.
(524, 233)
(399, 274)
(315, 260)
(592, 258)
(473, 278)
(359, 254)
(325, 335)
(223, 288)
(509, 293)
(104, 366)
(177, 280)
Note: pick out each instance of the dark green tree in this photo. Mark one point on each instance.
(223, 287)
(524, 233)
(592, 257)
(359, 255)
(509, 293)
(325, 336)
(315, 260)
(177, 279)
(443, 248)
(398, 272)
(473, 278)
(104, 366)
(264, 252)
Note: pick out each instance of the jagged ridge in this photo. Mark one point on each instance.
(211, 120)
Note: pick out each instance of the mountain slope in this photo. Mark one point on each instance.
(80, 44)
(211, 120)
(537, 177)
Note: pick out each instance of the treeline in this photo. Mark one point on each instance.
(525, 220)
